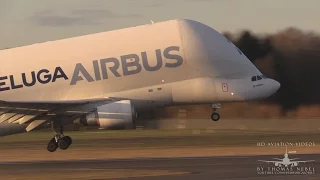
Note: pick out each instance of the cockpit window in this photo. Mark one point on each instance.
(258, 78)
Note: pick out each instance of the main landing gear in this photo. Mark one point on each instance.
(59, 140)
(215, 116)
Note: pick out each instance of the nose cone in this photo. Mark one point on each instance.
(273, 87)
(262, 90)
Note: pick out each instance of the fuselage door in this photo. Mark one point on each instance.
(224, 87)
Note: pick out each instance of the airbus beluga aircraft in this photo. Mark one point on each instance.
(105, 79)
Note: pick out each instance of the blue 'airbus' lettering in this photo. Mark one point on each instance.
(126, 65)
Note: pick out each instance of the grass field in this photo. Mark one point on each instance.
(152, 143)
(153, 138)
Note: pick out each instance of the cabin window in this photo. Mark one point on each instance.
(254, 78)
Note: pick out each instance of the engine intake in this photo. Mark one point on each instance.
(117, 115)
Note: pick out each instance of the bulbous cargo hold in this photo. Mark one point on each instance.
(224, 71)
(173, 51)
(213, 54)
(189, 60)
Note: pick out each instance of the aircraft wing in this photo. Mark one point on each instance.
(302, 161)
(278, 159)
(35, 113)
(79, 101)
(270, 161)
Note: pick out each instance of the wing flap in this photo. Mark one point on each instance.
(21, 112)
(26, 118)
(16, 117)
(7, 116)
(34, 124)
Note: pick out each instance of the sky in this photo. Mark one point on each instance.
(25, 22)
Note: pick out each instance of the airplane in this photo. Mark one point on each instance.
(286, 161)
(106, 79)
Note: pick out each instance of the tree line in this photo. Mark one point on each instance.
(292, 57)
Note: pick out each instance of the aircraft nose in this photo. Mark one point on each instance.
(263, 90)
(273, 86)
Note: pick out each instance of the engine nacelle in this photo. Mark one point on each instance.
(11, 128)
(117, 115)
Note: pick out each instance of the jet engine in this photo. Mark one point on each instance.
(117, 115)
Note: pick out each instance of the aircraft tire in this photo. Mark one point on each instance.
(63, 144)
(215, 116)
(68, 140)
(52, 145)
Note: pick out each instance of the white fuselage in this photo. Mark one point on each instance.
(166, 63)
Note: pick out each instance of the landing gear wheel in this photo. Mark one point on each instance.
(68, 139)
(215, 116)
(59, 140)
(63, 144)
(52, 145)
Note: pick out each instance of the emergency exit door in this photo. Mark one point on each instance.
(224, 87)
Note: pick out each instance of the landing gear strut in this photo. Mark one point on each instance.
(59, 140)
(215, 116)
